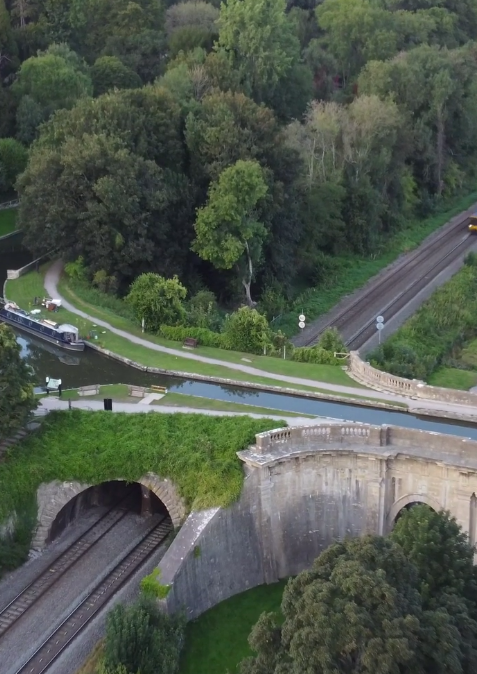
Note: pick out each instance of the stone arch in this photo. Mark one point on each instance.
(406, 500)
(52, 497)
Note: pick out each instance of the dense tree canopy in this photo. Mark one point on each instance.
(361, 114)
(365, 606)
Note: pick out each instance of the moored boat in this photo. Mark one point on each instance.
(63, 335)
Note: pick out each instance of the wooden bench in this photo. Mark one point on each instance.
(159, 389)
(191, 343)
(137, 391)
(92, 390)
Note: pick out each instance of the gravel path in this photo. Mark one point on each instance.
(23, 639)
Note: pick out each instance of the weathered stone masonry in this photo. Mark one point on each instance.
(305, 488)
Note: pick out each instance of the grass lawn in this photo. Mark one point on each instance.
(118, 392)
(197, 402)
(24, 289)
(451, 377)
(8, 221)
(217, 641)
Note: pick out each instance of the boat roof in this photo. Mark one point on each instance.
(66, 327)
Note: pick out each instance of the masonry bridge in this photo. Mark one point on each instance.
(304, 488)
(307, 487)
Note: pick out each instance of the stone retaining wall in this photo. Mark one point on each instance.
(412, 388)
(13, 274)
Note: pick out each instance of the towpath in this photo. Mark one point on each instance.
(52, 277)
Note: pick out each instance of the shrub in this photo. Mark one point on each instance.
(141, 638)
(202, 311)
(247, 330)
(152, 587)
(157, 300)
(205, 337)
(314, 354)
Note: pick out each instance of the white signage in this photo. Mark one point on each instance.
(301, 324)
(301, 318)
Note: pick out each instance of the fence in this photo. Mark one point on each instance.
(9, 204)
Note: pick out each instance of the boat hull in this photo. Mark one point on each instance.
(68, 346)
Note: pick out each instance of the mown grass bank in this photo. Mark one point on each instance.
(196, 452)
(217, 641)
(24, 289)
(349, 273)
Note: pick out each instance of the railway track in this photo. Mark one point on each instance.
(388, 294)
(69, 629)
(58, 567)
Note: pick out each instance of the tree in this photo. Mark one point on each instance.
(157, 301)
(192, 13)
(439, 550)
(247, 330)
(228, 233)
(17, 397)
(13, 160)
(108, 72)
(259, 42)
(142, 638)
(48, 82)
(356, 611)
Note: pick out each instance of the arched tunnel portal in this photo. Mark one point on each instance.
(60, 503)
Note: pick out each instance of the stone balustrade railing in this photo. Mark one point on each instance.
(412, 388)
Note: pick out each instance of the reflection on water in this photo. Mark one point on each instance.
(90, 367)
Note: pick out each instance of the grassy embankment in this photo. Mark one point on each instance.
(438, 342)
(24, 289)
(119, 393)
(349, 273)
(8, 221)
(217, 641)
(196, 452)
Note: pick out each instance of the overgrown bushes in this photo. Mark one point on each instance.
(141, 638)
(441, 326)
(179, 333)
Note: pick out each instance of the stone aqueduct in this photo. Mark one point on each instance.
(304, 488)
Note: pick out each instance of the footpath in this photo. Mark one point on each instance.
(50, 404)
(52, 278)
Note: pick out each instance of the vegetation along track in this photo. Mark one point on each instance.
(58, 567)
(59, 640)
(390, 293)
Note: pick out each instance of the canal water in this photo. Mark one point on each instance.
(91, 367)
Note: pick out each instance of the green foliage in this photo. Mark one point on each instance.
(444, 322)
(358, 610)
(17, 398)
(323, 351)
(226, 228)
(152, 587)
(439, 550)
(205, 337)
(197, 453)
(141, 638)
(202, 310)
(197, 551)
(157, 300)
(15, 540)
(108, 72)
(246, 330)
(13, 160)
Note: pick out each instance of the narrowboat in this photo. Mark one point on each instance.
(63, 335)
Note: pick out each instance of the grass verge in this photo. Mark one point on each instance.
(217, 641)
(352, 272)
(24, 289)
(8, 221)
(452, 377)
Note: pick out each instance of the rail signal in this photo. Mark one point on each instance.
(379, 326)
(301, 321)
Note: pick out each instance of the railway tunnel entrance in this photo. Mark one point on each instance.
(107, 497)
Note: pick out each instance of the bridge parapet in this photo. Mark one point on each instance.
(332, 433)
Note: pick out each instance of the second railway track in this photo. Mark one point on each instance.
(88, 608)
(30, 594)
(390, 293)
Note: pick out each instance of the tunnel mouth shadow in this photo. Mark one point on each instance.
(110, 495)
(409, 506)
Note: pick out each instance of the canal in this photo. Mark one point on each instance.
(91, 367)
